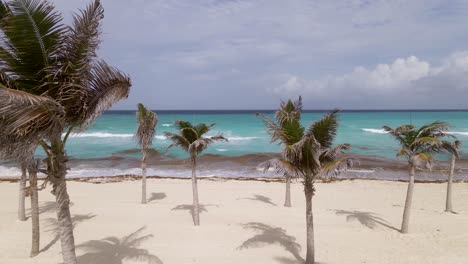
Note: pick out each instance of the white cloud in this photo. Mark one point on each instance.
(404, 81)
(173, 47)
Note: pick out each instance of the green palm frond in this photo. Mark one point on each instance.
(324, 130)
(190, 137)
(177, 141)
(201, 144)
(432, 129)
(147, 121)
(32, 32)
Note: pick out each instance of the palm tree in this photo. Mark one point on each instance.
(310, 158)
(191, 139)
(417, 145)
(33, 193)
(52, 83)
(453, 157)
(147, 122)
(288, 119)
(22, 196)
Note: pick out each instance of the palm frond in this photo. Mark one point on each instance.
(432, 129)
(281, 166)
(335, 167)
(108, 86)
(177, 141)
(452, 148)
(25, 119)
(147, 121)
(32, 31)
(324, 130)
(201, 144)
(329, 155)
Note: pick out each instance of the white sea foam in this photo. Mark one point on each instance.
(222, 150)
(101, 135)
(160, 137)
(9, 171)
(242, 138)
(166, 125)
(458, 133)
(374, 130)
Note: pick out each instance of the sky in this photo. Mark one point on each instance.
(250, 54)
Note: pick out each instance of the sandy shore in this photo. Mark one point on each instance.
(244, 222)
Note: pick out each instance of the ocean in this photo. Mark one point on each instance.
(107, 147)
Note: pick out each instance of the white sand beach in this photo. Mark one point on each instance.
(244, 222)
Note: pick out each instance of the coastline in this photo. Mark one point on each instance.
(244, 167)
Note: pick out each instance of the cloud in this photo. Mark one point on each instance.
(182, 47)
(405, 82)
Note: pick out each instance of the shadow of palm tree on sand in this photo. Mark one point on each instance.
(189, 207)
(368, 219)
(45, 207)
(156, 196)
(272, 235)
(51, 225)
(113, 250)
(260, 198)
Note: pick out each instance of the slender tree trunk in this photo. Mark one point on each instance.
(309, 193)
(57, 172)
(34, 209)
(448, 203)
(22, 195)
(409, 200)
(287, 199)
(143, 174)
(196, 206)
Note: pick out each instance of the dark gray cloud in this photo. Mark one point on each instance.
(236, 54)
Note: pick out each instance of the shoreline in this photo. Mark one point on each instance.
(240, 167)
(134, 177)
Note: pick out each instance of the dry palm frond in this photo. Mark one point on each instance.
(147, 122)
(25, 119)
(108, 86)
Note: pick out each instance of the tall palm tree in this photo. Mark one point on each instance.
(287, 120)
(33, 193)
(147, 122)
(417, 145)
(191, 139)
(52, 83)
(448, 203)
(22, 196)
(310, 158)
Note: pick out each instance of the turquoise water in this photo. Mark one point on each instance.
(103, 150)
(113, 132)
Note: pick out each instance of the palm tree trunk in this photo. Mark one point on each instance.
(310, 257)
(57, 173)
(448, 203)
(287, 199)
(143, 174)
(22, 196)
(34, 209)
(196, 206)
(409, 200)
